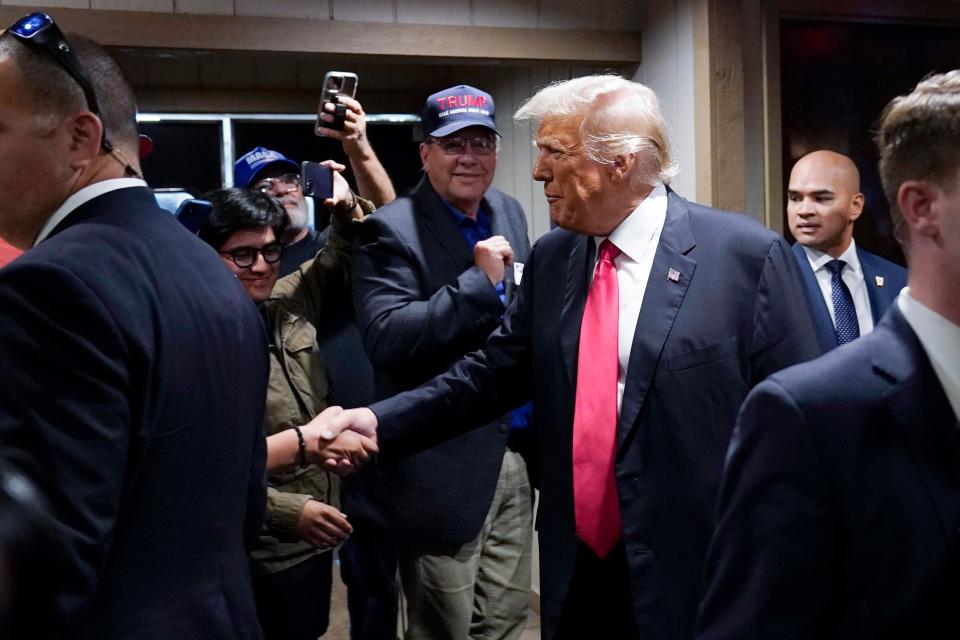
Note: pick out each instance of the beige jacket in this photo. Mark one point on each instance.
(297, 391)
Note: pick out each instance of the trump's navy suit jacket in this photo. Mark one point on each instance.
(892, 276)
(422, 304)
(840, 507)
(728, 318)
(133, 371)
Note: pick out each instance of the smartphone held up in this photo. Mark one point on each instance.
(193, 213)
(335, 84)
(316, 180)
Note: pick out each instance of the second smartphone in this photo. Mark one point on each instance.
(316, 180)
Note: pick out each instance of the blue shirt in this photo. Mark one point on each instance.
(473, 231)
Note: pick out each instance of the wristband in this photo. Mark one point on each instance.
(301, 443)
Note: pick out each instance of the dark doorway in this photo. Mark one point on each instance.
(185, 155)
(836, 78)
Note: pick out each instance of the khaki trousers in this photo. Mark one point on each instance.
(480, 589)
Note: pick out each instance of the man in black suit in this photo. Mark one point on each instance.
(433, 271)
(840, 503)
(133, 364)
(847, 289)
(634, 397)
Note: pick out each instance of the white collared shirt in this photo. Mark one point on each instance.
(83, 196)
(637, 238)
(941, 341)
(852, 277)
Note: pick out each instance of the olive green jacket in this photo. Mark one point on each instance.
(297, 391)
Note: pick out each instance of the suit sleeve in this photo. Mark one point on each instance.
(481, 386)
(65, 414)
(397, 322)
(256, 488)
(783, 333)
(769, 567)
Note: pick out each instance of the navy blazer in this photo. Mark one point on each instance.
(840, 507)
(703, 339)
(421, 304)
(134, 369)
(894, 278)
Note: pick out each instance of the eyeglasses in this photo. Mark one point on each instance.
(481, 145)
(244, 257)
(277, 184)
(39, 31)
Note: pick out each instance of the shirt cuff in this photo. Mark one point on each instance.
(283, 512)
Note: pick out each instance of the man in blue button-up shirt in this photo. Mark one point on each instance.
(433, 274)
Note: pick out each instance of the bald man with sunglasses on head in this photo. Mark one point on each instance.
(133, 365)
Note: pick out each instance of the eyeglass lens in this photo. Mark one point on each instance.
(246, 256)
(481, 145)
(270, 184)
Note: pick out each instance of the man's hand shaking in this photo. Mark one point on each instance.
(340, 440)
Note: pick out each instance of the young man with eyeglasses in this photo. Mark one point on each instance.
(292, 562)
(271, 172)
(433, 273)
(118, 331)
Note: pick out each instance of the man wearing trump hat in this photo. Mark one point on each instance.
(433, 273)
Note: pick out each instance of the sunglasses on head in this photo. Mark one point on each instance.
(39, 32)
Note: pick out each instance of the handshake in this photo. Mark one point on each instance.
(340, 440)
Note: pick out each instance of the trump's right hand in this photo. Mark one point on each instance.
(342, 441)
(362, 421)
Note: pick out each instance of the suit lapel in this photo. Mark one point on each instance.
(923, 415)
(815, 302)
(438, 223)
(661, 302)
(577, 283)
(879, 299)
(500, 225)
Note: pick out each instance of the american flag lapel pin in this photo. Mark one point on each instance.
(879, 280)
(673, 275)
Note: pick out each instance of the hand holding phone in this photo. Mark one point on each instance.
(335, 85)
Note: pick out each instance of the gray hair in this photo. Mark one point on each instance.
(619, 117)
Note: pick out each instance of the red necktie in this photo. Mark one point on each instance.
(595, 414)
